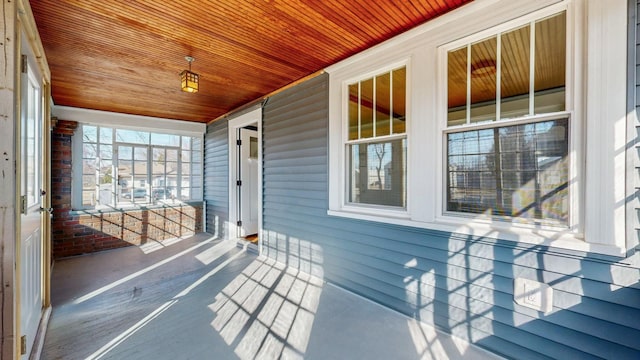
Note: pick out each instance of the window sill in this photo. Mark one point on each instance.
(107, 209)
(553, 237)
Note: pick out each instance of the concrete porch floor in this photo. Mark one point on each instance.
(202, 298)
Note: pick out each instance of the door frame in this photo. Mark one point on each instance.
(253, 117)
(22, 36)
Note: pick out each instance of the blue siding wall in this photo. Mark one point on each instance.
(463, 285)
(216, 178)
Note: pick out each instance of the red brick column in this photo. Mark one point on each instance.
(61, 182)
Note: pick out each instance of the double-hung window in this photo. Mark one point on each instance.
(508, 122)
(507, 131)
(376, 142)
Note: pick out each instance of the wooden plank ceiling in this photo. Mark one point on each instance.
(126, 56)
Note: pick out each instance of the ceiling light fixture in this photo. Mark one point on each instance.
(190, 79)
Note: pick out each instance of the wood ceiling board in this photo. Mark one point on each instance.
(126, 56)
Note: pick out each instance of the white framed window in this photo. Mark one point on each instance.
(123, 168)
(517, 127)
(508, 127)
(376, 141)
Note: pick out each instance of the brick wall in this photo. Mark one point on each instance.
(81, 232)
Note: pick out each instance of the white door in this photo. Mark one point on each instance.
(31, 285)
(248, 176)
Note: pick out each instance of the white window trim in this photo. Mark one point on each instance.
(372, 209)
(597, 122)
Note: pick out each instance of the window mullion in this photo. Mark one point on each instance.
(391, 119)
(468, 106)
(532, 63)
(359, 110)
(374, 107)
(498, 75)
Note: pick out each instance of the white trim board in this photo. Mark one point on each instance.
(128, 121)
(250, 118)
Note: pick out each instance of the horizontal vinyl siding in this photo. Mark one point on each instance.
(461, 284)
(216, 177)
(634, 99)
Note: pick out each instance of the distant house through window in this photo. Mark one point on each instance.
(122, 167)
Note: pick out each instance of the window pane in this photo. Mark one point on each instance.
(165, 139)
(522, 174)
(89, 182)
(172, 167)
(106, 135)
(399, 100)
(106, 152)
(158, 168)
(131, 136)
(196, 144)
(186, 143)
(383, 104)
(140, 168)
(140, 153)
(186, 156)
(515, 73)
(89, 134)
(366, 109)
(106, 171)
(89, 167)
(140, 194)
(483, 80)
(172, 155)
(550, 62)
(196, 169)
(457, 87)
(89, 151)
(378, 173)
(196, 156)
(354, 97)
(125, 152)
(253, 148)
(186, 169)
(88, 198)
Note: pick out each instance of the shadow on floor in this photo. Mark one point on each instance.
(203, 298)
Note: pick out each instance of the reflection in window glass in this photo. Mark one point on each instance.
(354, 96)
(513, 171)
(514, 73)
(483, 80)
(399, 77)
(366, 108)
(514, 68)
(383, 104)
(457, 87)
(550, 63)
